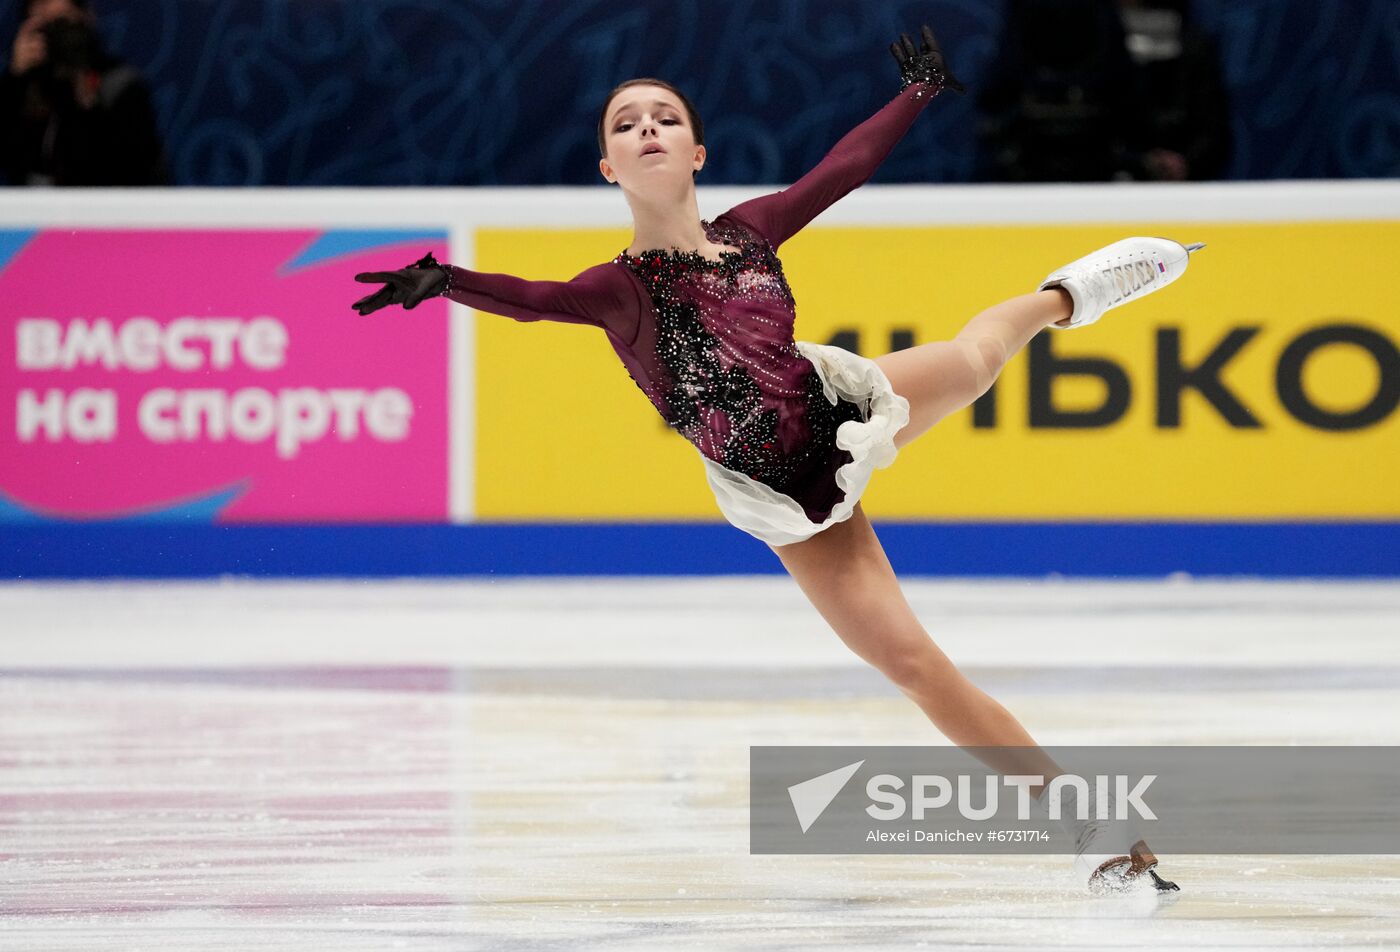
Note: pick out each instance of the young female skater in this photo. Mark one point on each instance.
(789, 431)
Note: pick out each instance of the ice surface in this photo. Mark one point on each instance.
(564, 764)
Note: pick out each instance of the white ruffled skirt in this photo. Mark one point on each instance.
(775, 517)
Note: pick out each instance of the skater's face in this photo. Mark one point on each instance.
(648, 140)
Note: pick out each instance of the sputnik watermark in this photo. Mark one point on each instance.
(932, 792)
(946, 799)
(957, 836)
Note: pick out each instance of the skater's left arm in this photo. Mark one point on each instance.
(851, 162)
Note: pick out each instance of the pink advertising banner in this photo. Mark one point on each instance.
(218, 376)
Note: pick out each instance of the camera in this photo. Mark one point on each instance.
(72, 47)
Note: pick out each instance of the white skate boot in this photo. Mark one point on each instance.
(1124, 271)
(1108, 854)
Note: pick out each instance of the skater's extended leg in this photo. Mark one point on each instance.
(843, 570)
(941, 377)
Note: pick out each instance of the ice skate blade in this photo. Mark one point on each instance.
(1162, 885)
(1195, 247)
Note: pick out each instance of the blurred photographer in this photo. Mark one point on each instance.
(1057, 101)
(72, 114)
(1186, 134)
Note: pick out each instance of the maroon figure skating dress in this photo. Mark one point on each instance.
(789, 431)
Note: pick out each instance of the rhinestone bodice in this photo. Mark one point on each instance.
(727, 374)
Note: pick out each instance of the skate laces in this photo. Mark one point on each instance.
(1091, 827)
(1087, 832)
(1129, 277)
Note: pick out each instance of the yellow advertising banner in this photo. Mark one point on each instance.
(1262, 385)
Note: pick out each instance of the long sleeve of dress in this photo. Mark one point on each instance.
(601, 295)
(849, 164)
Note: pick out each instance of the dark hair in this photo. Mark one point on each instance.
(697, 127)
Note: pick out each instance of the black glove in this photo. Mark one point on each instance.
(409, 286)
(925, 65)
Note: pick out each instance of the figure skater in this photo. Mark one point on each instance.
(789, 431)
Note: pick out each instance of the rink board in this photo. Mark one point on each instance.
(447, 441)
(1031, 550)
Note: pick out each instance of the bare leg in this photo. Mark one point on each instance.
(943, 376)
(843, 570)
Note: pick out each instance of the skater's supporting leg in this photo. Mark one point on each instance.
(941, 377)
(843, 570)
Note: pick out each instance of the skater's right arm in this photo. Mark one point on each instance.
(595, 296)
(600, 295)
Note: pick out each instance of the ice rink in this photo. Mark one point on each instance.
(539, 765)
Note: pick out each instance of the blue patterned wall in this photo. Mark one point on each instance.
(506, 92)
